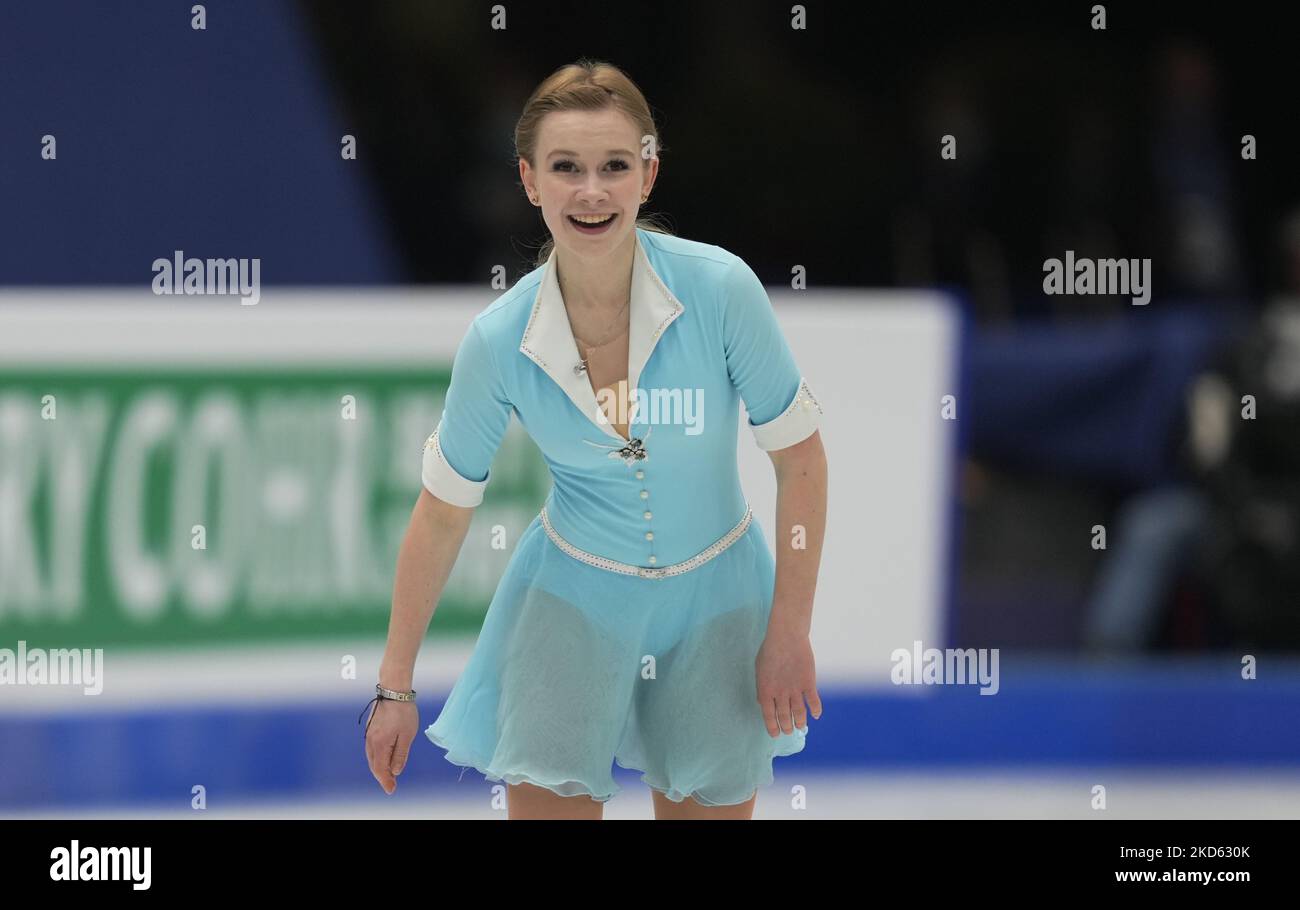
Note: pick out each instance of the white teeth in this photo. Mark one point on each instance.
(591, 219)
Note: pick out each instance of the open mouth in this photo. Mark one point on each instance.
(592, 226)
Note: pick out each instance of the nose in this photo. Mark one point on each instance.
(592, 193)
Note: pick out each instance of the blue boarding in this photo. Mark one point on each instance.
(1047, 714)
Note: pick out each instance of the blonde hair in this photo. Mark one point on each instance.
(588, 85)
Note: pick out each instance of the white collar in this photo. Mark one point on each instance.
(548, 338)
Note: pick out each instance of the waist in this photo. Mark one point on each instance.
(613, 565)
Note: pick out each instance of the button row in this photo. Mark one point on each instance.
(649, 535)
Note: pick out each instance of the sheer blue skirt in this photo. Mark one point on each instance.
(577, 668)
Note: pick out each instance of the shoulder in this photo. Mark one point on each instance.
(694, 265)
(501, 323)
(709, 279)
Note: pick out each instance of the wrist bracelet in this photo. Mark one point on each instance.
(392, 695)
(382, 694)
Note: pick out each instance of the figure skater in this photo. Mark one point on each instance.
(641, 618)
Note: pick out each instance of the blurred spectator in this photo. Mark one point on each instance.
(1197, 254)
(1233, 529)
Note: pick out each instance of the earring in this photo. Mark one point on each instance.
(645, 196)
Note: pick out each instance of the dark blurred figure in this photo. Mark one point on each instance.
(1232, 531)
(1254, 565)
(945, 235)
(1095, 210)
(1196, 253)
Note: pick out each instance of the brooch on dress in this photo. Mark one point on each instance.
(632, 450)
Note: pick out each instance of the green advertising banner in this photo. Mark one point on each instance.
(159, 505)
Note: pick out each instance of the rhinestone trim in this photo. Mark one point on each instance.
(624, 568)
(452, 487)
(804, 397)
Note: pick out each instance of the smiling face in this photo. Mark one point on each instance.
(589, 169)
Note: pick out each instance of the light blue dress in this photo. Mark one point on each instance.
(627, 622)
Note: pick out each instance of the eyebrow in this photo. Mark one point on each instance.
(576, 155)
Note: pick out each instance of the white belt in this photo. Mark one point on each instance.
(612, 565)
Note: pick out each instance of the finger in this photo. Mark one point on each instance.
(386, 778)
(783, 714)
(400, 753)
(798, 713)
(768, 705)
(378, 768)
(814, 703)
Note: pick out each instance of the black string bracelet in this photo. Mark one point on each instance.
(380, 696)
(372, 713)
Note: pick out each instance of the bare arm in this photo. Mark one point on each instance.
(800, 500)
(429, 550)
(786, 669)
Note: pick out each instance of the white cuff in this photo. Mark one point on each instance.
(442, 480)
(795, 424)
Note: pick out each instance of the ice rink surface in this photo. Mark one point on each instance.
(995, 794)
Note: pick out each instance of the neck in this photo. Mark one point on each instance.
(596, 285)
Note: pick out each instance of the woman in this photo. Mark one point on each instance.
(641, 618)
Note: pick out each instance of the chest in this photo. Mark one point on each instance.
(607, 371)
(688, 403)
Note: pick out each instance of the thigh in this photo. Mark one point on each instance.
(565, 684)
(688, 808)
(697, 725)
(528, 801)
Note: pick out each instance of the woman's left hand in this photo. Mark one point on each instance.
(786, 675)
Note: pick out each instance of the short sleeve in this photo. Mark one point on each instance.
(782, 409)
(459, 453)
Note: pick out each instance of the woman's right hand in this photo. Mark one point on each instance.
(391, 730)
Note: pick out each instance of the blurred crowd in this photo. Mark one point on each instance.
(1126, 144)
